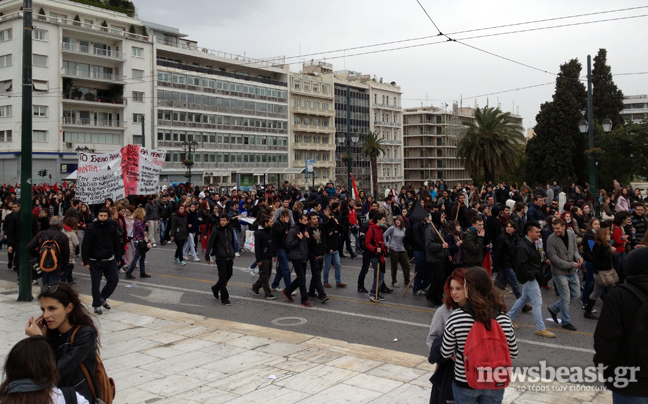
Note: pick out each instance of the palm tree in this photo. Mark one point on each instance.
(373, 147)
(491, 143)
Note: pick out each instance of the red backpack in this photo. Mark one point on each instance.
(487, 360)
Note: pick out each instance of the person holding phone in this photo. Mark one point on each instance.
(62, 314)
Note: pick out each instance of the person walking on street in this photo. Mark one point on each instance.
(528, 263)
(221, 246)
(264, 252)
(474, 243)
(100, 251)
(179, 233)
(394, 240)
(297, 248)
(60, 248)
(280, 230)
(375, 245)
(317, 248)
(152, 218)
(70, 226)
(562, 252)
(193, 227)
(334, 245)
(139, 238)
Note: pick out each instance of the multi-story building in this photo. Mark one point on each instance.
(312, 114)
(635, 108)
(234, 107)
(92, 84)
(387, 120)
(430, 137)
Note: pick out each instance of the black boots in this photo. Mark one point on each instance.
(588, 310)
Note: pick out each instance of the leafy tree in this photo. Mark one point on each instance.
(556, 153)
(373, 147)
(606, 96)
(491, 143)
(626, 154)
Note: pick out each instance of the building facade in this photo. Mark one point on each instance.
(312, 128)
(635, 108)
(91, 84)
(430, 142)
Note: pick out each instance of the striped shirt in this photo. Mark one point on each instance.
(456, 332)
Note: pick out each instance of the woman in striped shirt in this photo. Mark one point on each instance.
(485, 301)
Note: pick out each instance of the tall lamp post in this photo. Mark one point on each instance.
(351, 140)
(189, 148)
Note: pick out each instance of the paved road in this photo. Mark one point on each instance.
(348, 315)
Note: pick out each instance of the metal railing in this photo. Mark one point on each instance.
(100, 123)
(91, 74)
(91, 50)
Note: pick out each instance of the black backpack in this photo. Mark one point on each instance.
(49, 252)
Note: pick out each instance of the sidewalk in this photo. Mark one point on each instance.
(161, 356)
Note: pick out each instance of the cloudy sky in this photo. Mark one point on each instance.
(438, 71)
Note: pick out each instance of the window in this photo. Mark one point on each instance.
(307, 139)
(5, 136)
(297, 120)
(40, 110)
(307, 121)
(138, 74)
(40, 85)
(5, 86)
(325, 122)
(81, 137)
(298, 156)
(316, 139)
(5, 35)
(296, 103)
(138, 118)
(5, 111)
(55, 17)
(5, 60)
(39, 60)
(325, 106)
(39, 136)
(307, 104)
(138, 96)
(116, 29)
(298, 138)
(138, 52)
(137, 139)
(87, 23)
(325, 157)
(39, 35)
(325, 139)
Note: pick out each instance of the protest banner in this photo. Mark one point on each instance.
(133, 170)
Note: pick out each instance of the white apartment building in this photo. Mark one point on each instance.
(312, 128)
(233, 107)
(387, 119)
(92, 80)
(635, 108)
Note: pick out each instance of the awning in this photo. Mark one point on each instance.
(272, 170)
(72, 176)
(40, 85)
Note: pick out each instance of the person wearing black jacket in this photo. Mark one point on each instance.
(317, 248)
(333, 241)
(528, 263)
(264, 251)
(420, 262)
(620, 338)
(593, 227)
(280, 230)
(504, 258)
(63, 257)
(297, 247)
(366, 259)
(193, 227)
(221, 246)
(12, 233)
(100, 253)
(166, 209)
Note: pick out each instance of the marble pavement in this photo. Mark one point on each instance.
(162, 356)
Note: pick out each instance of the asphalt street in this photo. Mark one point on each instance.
(400, 323)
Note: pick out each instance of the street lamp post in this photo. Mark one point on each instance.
(189, 148)
(587, 126)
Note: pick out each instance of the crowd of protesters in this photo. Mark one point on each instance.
(524, 239)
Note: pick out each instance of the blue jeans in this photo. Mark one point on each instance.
(381, 275)
(51, 277)
(589, 282)
(530, 293)
(568, 289)
(190, 245)
(236, 247)
(163, 225)
(142, 259)
(356, 236)
(507, 275)
(618, 398)
(66, 276)
(470, 396)
(283, 269)
(335, 257)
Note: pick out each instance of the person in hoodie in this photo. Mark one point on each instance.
(193, 227)
(265, 252)
(333, 241)
(280, 230)
(620, 338)
(178, 232)
(221, 246)
(297, 247)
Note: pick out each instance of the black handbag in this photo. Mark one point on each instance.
(143, 246)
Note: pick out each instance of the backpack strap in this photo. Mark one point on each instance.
(69, 394)
(83, 367)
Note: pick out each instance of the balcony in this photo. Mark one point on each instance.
(385, 106)
(388, 142)
(97, 123)
(211, 125)
(93, 75)
(223, 146)
(388, 124)
(88, 50)
(314, 111)
(211, 165)
(216, 108)
(116, 102)
(388, 160)
(313, 129)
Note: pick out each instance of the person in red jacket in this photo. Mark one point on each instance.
(375, 247)
(621, 220)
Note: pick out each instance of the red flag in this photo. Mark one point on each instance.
(64, 184)
(355, 188)
(56, 188)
